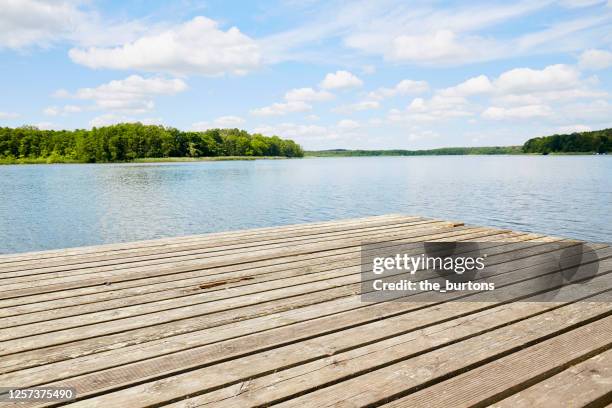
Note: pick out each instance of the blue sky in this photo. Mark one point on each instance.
(354, 74)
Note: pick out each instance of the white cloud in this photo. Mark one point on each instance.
(195, 47)
(520, 112)
(221, 122)
(404, 87)
(595, 59)
(112, 119)
(358, 106)
(341, 80)
(133, 94)
(348, 124)
(440, 46)
(297, 100)
(35, 22)
(307, 95)
(527, 80)
(62, 110)
(527, 86)
(42, 23)
(437, 108)
(472, 86)
(277, 109)
(8, 115)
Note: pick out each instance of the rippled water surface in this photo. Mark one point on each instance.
(57, 206)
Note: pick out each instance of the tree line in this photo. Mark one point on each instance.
(129, 141)
(443, 151)
(598, 141)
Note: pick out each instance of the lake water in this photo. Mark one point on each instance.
(57, 206)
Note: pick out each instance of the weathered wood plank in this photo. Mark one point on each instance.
(208, 245)
(349, 284)
(578, 386)
(380, 384)
(37, 255)
(145, 275)
(507, 375)
(113, 268)
(406, 376)
(274, 315)
(381, 329)
(232, 284)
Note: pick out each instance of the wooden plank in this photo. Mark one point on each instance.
(37, 255)
(161, 344)
(491, 382)
(52, 333)
(379, 383)
(146, 275)
(209, 249)
(405, 377)
(112, 268)
(209, 245)
(380, 329)
(233, 284)
(578, 386)
(282, 385)
(194, 281)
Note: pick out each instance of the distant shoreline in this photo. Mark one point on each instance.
(414, 153)
(313, 156)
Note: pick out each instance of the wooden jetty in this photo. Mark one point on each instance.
(273, 316)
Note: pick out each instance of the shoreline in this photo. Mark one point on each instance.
(145, 160)
(44, 161)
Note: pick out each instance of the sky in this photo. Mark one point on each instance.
(328, 74)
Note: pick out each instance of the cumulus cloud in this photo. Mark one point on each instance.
(595, 59)
(520, 112)
(436, 108)
(42, 23)
(527, 80)
(472, 86)
(35, 22)
(277, 109)
(307, 95)
(62, 110)
(221, 122)
(358, 106)
(404, 87)
(296, 100)
(340, 80)
(439, 46)
(198, 46)
(526, 85)
(133, 94)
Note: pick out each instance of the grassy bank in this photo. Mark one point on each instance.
(57, 160)
(197, 159)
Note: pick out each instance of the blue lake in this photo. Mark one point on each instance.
(57, 206)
